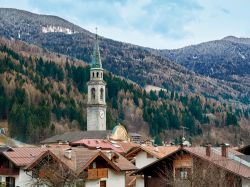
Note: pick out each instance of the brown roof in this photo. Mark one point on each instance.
(97, 144)
(231, 164)
(23, 156)
(158, 152)
(126, 146)
(77, 135)
(82, 157)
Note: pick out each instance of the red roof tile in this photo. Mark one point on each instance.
(158, 152)
(23, 156)
(81, 156)
(97, 144)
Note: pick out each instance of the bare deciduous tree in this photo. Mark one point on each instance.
(53, 173)
(201, 174)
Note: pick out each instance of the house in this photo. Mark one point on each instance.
(135, 137)
(82, 166)
(144, 155)
(12, 164)
(198, 166)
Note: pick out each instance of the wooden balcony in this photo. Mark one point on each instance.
(97, 173)
(9, 171)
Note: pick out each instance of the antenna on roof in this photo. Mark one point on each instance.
(183, 132)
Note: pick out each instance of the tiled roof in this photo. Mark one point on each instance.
(80, 158)
(97, 144)
(232, 164)
(77, 135)
(24, 155)
(158, 152)
(126, 146)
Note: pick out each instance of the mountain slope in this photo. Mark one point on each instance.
(220, 59)
(227, 59)
(42, 93)
(141, 65)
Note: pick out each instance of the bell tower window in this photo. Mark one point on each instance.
(97, 74)
(92, 93)
(101, 95)
(93, 74)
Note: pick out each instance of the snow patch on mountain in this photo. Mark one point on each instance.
(51, 28)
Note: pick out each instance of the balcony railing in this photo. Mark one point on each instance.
(9, 171)
(97, 173)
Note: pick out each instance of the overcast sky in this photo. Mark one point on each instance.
(151, 23)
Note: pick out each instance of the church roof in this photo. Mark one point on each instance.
(77, 135)
(96, 58)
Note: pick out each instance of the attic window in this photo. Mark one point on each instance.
(182, 173)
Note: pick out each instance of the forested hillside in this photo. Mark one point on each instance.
(142, 65)
(227, 59)
(42, 93)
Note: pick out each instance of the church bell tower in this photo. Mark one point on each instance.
(96, 106)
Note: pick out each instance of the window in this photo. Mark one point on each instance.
(101, 75)
(10, 182)
(93, 74)
(97, 74)
(94, 165)
(92, 93)
(101, 95)
(102, 183)
(182, 173)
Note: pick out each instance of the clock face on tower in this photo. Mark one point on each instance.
(101, 114)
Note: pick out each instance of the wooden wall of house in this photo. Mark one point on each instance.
(207, 174)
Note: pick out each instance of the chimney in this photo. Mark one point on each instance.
(224, 150)
(208, 150)
(114, 157)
